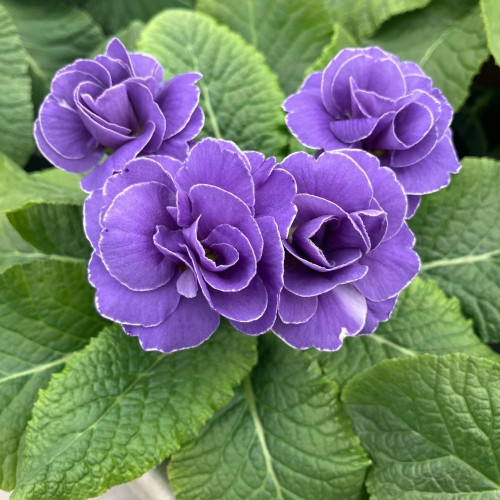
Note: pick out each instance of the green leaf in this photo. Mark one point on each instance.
(290, 33)
(424, 321)
(490, 10)
(57, 177)
(54, 35)
(284, 435)
(458, 239)
(19, 189)
(128, 36)
(16, 117)
(363, 17)
(116, 411)
(340, 40)
(46, 313)
(114, 15)
(431, 426)
(240, 96)
(447, 39)
(52, 229)
(13, 249)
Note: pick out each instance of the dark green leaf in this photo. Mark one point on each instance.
(46, 313)
(458, 239)
(290, 33)
(284, 435)
(116, 411)
(16, 116)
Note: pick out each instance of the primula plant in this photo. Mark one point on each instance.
(254, 244)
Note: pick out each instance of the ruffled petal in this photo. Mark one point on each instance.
(191, 324)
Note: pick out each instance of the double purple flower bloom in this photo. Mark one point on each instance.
(116, 105)
(369, 99)
(178, 244)
(315, 249)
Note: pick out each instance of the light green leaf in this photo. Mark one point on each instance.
(341, 39)
(290, 33)
(446, 38)
(458, 239)
(284, 435)
(490, 10)
(52, 229)
(59, 178)
(19, 189)
(116, 411)
(240, 96)
(363, 17)
(46, 313)
(128, 36)
(13, 249)
(431, 426)
(16, 116)
(114, 15)
(424, 321)
(54, 35)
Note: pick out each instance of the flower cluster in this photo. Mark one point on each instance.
(369, 99)
(184, 233)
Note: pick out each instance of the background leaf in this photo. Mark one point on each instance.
(446, 38)
(284, 435)
(52, 229)
(491, 16)
(16, 109)
(458, 240)
(290, 33)
(54, 35)
(239, 94)
(13, 249)
(116, 411)
(113, 15)
(341, 39)
(46, 313)
(19, 189)
(430, 425)
(363, 17)
(424, 321)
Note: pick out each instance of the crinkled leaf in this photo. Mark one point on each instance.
(46, 313)
(240, 96)
(363, 17)
(424, 321)
(446, 38)
(458, 239)
(290, 33)
(53, 34)
(52, 229)
(431, 426)
(341, 39)
(16, 116)
(114, 15)
(491, 17)
(116, 411)
(284, 435)
(19, 189)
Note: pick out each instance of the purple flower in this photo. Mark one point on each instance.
(116, 104)
(178, 244)
(369, 99)
(349, 252)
